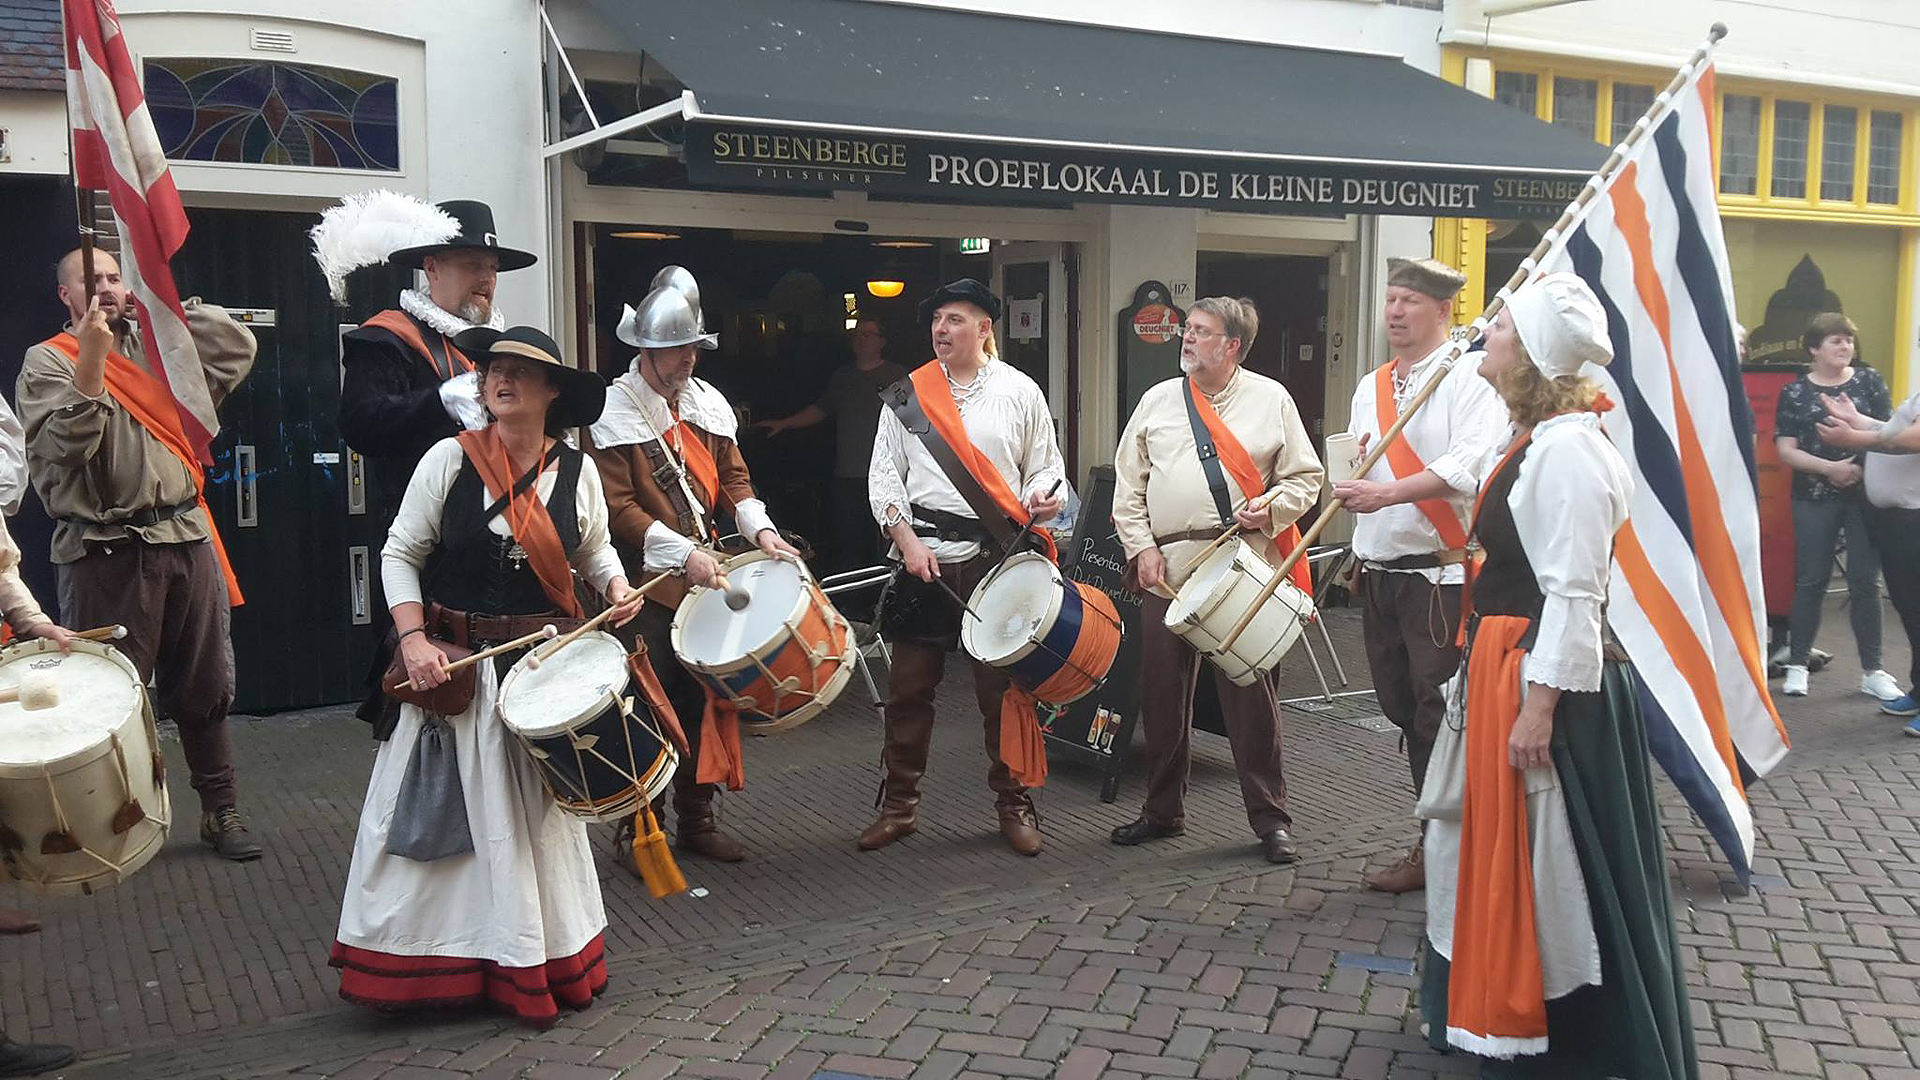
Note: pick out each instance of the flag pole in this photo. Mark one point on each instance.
(82, 197)
(1552, 236)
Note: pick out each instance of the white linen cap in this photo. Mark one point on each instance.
(1561, 324)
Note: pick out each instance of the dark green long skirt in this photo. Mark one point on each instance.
(1635, 1024)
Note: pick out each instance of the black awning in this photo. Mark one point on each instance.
(899, 99)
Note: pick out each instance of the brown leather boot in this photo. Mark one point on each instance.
(1407, 875)
(904, 756)
(1019, 822)
(694, 829)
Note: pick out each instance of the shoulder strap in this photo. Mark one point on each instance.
(670, 474)
(1209, 456)
(905, 405)
(493, 510)
(1404, 461)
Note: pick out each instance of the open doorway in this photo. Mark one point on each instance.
(1290, 292)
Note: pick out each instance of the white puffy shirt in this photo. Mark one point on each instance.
(1569, 500)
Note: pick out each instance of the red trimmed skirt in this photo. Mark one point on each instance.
(532, 994)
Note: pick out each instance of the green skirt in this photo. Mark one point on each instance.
(1635, 1024)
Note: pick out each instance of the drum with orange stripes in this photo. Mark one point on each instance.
(1054, 637)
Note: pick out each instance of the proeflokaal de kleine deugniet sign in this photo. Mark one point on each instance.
(781, 159)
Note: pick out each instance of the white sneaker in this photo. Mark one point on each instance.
(1880, 685)
(1796, 683)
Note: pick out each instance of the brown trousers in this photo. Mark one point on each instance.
(172, 599)
(915, 674)
(1169, 671)
(1410, 626)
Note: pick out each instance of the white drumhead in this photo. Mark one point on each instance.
(1012, 604)
(1204, 582)
(97, 695)
(540, 701)
(707, 631)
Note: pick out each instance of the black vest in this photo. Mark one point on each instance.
(473, 570)
(1505, 583)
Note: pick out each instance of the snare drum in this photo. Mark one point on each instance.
(595, 743)
(83, 791)
(1055, 638)
(782, 659)
(1214, 599)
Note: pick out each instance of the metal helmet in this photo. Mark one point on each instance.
(677, 277)
(665, 319)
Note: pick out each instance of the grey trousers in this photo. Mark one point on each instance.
(1817, 525)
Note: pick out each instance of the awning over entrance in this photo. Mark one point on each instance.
(813, 95)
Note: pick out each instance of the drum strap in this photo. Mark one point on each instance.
(1209, 456)
(905, 403)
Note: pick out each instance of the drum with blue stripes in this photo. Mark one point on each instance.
(1054, 637)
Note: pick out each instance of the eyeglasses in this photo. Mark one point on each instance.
(1200, 333)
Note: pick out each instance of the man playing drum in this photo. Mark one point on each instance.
(1411, 515)
(964, 459)
(133, 538)
(1220, 445)
(667, 451)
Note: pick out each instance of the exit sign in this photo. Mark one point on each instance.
(974, 245)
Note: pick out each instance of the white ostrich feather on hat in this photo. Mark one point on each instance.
(365, 228)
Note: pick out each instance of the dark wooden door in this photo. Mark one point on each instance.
(1290, 292)
(282, 486)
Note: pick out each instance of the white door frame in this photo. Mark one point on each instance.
(1059, 396)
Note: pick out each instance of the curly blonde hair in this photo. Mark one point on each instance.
(1532, 396)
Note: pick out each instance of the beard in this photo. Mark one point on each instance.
(476, 311)
(1186, 366)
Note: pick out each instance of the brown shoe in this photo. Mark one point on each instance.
(892, 824)
(1407, 875)
(1278, 847)
(17, 922)
(224, 832)
(1020, 823)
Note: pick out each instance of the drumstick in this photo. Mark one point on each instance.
(737, 598)
(545, 652)
(948, 589)
(113, 632)
(35, 691)
(546, 631)
(1028, 528)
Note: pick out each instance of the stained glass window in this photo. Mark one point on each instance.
(272, 112)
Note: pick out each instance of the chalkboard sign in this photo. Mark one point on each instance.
(1097, 730)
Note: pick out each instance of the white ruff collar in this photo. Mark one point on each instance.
(622, 423)
(421, 306)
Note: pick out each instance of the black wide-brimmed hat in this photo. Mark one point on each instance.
(476, 234)
(583, 394)
(966, 290)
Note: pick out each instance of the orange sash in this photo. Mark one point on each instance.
(1405, 462)
(1022, 746)
(150, 403)
(402, 326)
(1496, 995)
(1246, 476)
(526, 516)
(700, 466)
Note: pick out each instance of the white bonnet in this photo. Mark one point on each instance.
(1561, 324)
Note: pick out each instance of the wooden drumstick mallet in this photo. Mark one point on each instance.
(114, 632)
(546, 632)
(545, 652)
(35, 691)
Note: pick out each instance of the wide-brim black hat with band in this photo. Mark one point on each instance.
(583, 394)
(966, 290)
(476, 234)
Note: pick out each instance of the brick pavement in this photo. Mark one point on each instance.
(1189, 958)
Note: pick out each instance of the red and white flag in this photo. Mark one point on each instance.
(115, 149)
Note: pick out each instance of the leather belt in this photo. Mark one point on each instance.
(1433, 561)
(1196, 536)
(153, 515)
(945, 525)
(468, 628)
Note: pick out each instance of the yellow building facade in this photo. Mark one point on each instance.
(1817, 195)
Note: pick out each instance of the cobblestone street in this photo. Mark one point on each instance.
(947, 956)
